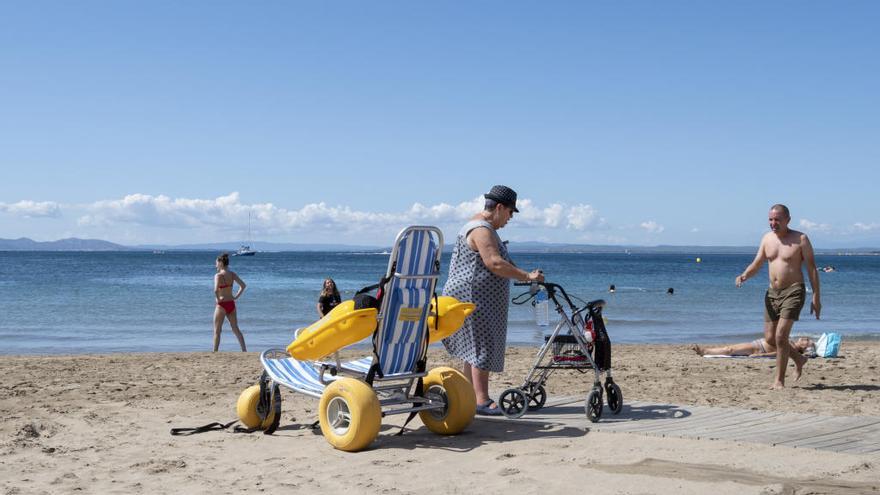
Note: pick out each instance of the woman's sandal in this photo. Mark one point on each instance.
(486, 409)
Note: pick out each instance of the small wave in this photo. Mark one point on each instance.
(649, 323)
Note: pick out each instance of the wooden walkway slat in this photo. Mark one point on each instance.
(829, 438)
(796, 425)
(765, 419)
(666, 424)
(849, 434)
(718, 427)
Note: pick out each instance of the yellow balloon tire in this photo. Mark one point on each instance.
(247, 409)
(461, 403)
(349, 414)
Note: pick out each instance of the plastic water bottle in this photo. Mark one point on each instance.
(542, 309)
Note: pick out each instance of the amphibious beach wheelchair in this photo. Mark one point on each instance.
(354, 396)
(579, 342)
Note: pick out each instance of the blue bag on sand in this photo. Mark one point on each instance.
(828, 345)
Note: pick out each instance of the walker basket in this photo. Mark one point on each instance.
(566, 349)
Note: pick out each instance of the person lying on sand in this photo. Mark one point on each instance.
(755, 348)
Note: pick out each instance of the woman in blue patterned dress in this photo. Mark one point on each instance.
(480, 272)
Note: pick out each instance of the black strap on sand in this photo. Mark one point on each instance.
(213, 427)
(270, 400)
(201, 429)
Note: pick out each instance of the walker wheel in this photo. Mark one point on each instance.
(615, 397)
(537, 396)
(513, 403)
(593, 405)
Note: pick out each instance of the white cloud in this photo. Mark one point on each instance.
(30, 209)
(229, 213)
(814, 226)
(695, 230)
(652, 227)
(866, 227)
(581, 217)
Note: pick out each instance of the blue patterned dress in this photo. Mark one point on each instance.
(482, 339)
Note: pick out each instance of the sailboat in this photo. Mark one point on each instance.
(245, 249)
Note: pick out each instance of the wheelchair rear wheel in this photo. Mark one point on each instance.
(448, 385)
(246, 407)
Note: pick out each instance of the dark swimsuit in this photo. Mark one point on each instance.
(228, 306)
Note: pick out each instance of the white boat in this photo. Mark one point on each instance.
(245, 249)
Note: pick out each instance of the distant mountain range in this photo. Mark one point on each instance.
(71, 244)
(74, 244)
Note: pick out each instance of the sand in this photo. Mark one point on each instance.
(100, 424)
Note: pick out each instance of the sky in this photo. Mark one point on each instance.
(623, 123)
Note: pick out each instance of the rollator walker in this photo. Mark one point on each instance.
(579, 342)
(403, 318)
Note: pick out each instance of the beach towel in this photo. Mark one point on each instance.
(714, 356)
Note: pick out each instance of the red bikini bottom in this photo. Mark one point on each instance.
(228, 306)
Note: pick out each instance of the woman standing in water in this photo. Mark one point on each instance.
(226, 301)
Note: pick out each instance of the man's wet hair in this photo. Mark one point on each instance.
(490, 204)
(781, 207)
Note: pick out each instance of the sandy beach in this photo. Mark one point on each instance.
(100, 424)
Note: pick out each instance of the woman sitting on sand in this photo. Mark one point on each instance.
(755, 348)
(226, 301)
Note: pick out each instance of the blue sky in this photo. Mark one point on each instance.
(617, 122)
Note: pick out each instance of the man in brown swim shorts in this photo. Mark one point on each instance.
(788, 251)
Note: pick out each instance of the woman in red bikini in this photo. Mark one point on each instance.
(226, 301)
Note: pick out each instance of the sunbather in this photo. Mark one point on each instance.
(755, 348)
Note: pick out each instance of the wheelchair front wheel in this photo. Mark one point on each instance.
(246, 407)
(449, 386)
(349, 414)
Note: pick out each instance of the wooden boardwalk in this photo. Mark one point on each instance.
(849, 434)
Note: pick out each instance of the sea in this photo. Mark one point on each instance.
(107, 302)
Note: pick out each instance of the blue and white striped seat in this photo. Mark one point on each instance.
(304, 376)
(402, 332)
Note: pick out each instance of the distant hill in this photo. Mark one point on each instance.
(71, 244)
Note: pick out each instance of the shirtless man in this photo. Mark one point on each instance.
(787, 250)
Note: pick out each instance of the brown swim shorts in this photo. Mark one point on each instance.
(784, 303)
